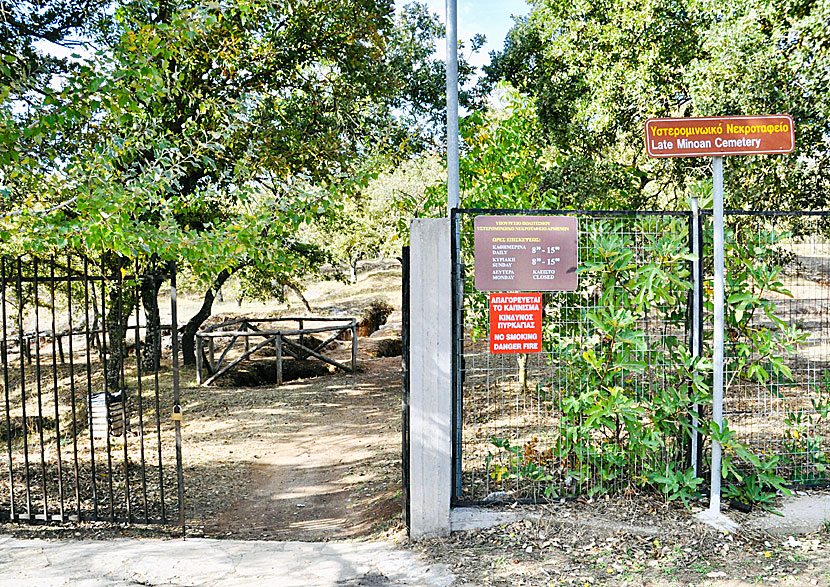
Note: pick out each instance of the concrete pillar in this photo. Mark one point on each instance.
(430, 388)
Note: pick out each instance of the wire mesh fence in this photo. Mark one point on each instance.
(777, 340)
(610, 403)
(540, 425)
(88, 384)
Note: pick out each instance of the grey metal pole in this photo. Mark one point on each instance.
(717, 384)
(452, 106)
(695, 342)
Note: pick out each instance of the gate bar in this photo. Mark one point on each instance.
(5, 355)
(45, 515)
(139, 374)
(72, 391)
(55, 339)
(176, 406)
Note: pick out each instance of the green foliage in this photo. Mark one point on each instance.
(598, 70)
(373, 220)
(215, 134)
(627, 404)
(804, 457)
(617, 421)
(502, 162)
(514, 462)
(745, 476)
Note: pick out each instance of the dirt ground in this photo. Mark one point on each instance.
(313, 459)
(319, 459)
(634, 540)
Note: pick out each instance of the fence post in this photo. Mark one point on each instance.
(177, 408)
(354, 346)
(430, 376)
(694, 235)
(198, 358)
(278, 345)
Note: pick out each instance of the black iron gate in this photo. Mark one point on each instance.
(90, 391)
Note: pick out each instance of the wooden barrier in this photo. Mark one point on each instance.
(209, 368)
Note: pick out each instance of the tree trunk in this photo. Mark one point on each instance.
(119, 301)
(353, 271)
(151, 356)
(522, 364)
(192, 327)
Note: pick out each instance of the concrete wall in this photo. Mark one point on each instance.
(430, 391)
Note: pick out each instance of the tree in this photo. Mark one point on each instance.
(599, 70)
(207, 132)
(374, 221)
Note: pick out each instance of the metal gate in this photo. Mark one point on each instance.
(529, 427)
(405, 385)
(90, 362)
(518, 434)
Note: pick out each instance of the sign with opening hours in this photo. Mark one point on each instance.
(525, 253)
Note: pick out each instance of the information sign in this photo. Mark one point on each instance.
(723, 135)
(525, 253)
(515, 323)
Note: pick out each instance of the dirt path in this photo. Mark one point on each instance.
(311, 460)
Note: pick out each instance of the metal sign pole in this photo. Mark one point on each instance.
(718, 136)
(453, 196)
(713, 516)
(717, 384)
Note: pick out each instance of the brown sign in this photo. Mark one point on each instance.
(724, 135)
(525, 253)
(515, 323)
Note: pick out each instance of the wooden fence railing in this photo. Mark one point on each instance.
(291, 342)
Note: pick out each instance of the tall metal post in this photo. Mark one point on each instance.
(717, 384)
(452, 106)
(696, 310)
(453, 201)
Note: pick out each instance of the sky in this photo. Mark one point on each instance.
(489, 17)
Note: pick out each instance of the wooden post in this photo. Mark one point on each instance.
(278, 344)
(212, 351)
(198, 359)
(59, 339)
(247, 338)
(354, 347)
(301, 331)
